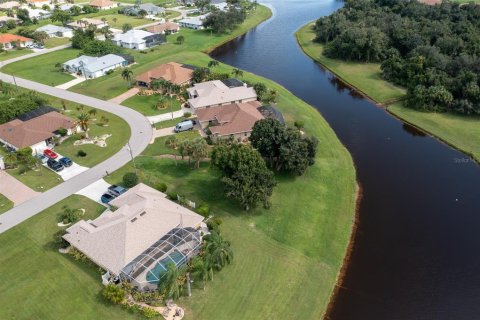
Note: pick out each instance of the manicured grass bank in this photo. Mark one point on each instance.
(287, 258)
(5, 204)
(460, 132)
(365, 77)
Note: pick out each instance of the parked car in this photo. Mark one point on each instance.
(184, 126)
(116, 190)
(50, 154)
(55, 165)
(106, 198)
(42, 158)
(65, 161)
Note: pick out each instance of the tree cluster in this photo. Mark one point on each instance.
(434, 51)
(245, 174)
(18, 104)
(224, 21)
(85, 40)
(283, 148)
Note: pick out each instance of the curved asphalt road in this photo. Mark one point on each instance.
(141, 134)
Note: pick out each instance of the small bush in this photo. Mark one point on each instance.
(109, 72)
(144, 51)
(218, 221)
(299, 124)
(203, 210)
(172, 196)
(62, 131)
(130, 179)
(149, 313)
(81, 153)
(162, 187)
(187, 114)
(113, 294)
(212, 225)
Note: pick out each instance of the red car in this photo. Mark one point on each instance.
(50, 154)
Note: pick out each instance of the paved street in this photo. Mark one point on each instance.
(141, 130)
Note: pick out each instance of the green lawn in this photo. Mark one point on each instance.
(37, 282)
(146, 105)
(461, 132)
(158, 147)
(123, 19)
(42, 68)
(365, 77)
(10, 54)
(39, 180)
(5, 204)
(286, 258)
(55, 42)
(171, 14)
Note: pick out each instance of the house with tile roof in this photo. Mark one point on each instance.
(135, 242)
(38, 3)
(174, 72)
(232, 120)
(103, 4)
(94, 67)
(35, 129)
(138, 39)
(150, 9)
(4, 6)
(10, 41)
(54, 31)
(166, 27)
(216, 93)
(85, 22)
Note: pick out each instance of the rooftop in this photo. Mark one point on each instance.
(50, 28)
(197, 21)
(7, 38)
(159, 28)
(34, 130)
(144, 216)
(232, 118)
(133, 36)
(102, 3)
(81, 23)
(172, 71)
(94, 64)
(216, 92)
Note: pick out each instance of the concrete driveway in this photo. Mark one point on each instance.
(14, 190)
(95, 190)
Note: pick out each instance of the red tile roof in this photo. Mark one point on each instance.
(172, 71)
(160, 28)
(7, 38)
(232, 118)
(27, 133)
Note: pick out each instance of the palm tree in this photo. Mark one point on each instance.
(127, 75)
(219, 249)
(106, 32)
(83, 120)
(185, 149)
(199, 151)
(273, 95)
(142, 13)
(212, 63)
(172, 143)
(171, 284)
(11, 160)
(237, 72)
(201, 269)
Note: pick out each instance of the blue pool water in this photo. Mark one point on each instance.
(161, 267)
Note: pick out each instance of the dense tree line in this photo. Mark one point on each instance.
(224, 21)
(18, 104)
(86, 41)
(433, 51)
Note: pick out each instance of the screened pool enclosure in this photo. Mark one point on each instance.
(177, 247)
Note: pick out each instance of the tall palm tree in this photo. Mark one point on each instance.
(83, 120)
(185, 149)
(219, 249)
(212, 63)
(201, 269)
(172, 143)
(199, 151)
(127, 76)
(171, 284)
(237, 72)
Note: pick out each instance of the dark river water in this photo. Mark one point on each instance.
(417, 250)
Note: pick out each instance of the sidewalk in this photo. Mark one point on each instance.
(71, 83)
(14, 190)
(162, 133)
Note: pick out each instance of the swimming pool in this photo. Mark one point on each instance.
(156, 273)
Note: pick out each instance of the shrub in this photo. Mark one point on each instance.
(218, 221)
(130, 179)
(299, 124)
(172, 196)
(149, 313)
(212, 225)
(113, 294)
(109, 72)
(162, 187)
(62, 131)
(81, 153)
(203, 210)
(187, 114)
(144, 51)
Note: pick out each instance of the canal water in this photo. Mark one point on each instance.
(417, 249)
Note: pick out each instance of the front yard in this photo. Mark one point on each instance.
(55, 42)
(148, 105)
(5, 204)
(10, 54)
(118, 20)
(42, 68)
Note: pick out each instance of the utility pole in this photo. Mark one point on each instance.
(131, 155)
(15, 81)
